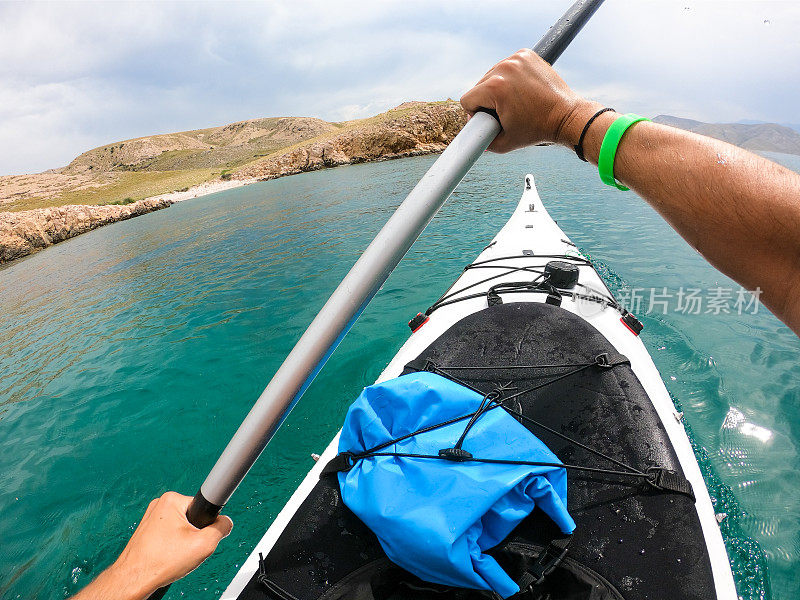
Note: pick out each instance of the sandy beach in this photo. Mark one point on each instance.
(204, 189)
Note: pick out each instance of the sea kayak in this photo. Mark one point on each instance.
(531, 313)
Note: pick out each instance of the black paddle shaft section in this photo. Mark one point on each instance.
(202, 513)
(559, 36)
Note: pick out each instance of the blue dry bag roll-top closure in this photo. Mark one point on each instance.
(437, 518)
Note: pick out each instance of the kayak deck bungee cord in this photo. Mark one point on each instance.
(549, 347)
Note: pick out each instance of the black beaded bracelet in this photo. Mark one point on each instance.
(579, 147)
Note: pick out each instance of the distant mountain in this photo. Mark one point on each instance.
(795, 126)
(758, 137)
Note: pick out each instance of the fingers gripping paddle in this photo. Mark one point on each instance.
(358, 288)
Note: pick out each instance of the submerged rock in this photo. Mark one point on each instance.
(25, 232)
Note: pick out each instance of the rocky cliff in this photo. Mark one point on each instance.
(410, 129)
(272, 148)
(269, 147)
(25, 232)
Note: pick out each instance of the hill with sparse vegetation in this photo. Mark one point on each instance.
(130, 178)
(158, 164)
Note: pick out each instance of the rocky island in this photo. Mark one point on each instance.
(133, 177)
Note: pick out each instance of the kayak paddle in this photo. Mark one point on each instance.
(358, 287)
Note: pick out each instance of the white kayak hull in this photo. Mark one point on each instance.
(531, 228)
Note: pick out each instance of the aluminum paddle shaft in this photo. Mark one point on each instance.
(345, 305)
(359, 287)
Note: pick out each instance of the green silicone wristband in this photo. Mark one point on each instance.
(608, 151)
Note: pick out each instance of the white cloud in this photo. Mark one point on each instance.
(73, 75)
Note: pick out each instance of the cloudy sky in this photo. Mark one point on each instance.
(77, 75)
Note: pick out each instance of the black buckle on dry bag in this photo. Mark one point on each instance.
(548, 560)
(455, 454)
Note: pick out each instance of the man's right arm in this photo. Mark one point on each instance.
(739, 210)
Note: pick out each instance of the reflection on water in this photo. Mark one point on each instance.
(129, 355)
(735, 422)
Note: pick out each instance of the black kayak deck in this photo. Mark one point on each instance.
(631, 541)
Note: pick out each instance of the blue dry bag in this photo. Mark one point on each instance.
(434, 517)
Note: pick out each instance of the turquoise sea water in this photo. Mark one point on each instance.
(129, 355)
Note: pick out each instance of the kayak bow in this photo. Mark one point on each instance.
(505, 321)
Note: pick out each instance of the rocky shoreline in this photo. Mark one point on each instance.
(25, 232)
(411, 129)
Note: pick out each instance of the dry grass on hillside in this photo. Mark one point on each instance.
(160, 164)
(107, 188)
